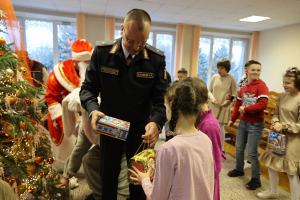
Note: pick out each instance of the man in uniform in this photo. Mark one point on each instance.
(130, 75)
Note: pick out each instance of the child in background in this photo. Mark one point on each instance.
(255, 95)
(220, 85)
(210, 126)
(287, 120)
(184, 164)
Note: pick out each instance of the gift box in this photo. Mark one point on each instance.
(142, 161)
(113, 127)
(277, 142)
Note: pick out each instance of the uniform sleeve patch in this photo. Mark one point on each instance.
(114, 49)
(165, 74)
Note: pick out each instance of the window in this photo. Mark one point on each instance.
(161, 40)
(48, 42)
(39, 41)
(213, 49)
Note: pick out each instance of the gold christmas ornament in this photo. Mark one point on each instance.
(28, 101)
(32, 189)
(7, 129)
(21, 93)
(1, 53)
(41, 174)
(56, 178)
(30, 136)
(46, 169)
(12, 100)
(2, 41)
(9, 73)
(21, 188)
(15, 147)
(23, 126)
(0, 116)
(50, 160)
(38, 159)
(30, 168)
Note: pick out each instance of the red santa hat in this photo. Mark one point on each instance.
(82, 50)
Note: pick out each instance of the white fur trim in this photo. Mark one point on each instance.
(55, 111)
(81, 56)
(60, 78)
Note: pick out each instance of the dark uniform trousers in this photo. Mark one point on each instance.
(126, 94)
(111, 155)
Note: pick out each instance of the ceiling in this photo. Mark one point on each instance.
(221, 14)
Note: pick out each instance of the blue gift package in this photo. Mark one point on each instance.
(113, 127)
(277, 142)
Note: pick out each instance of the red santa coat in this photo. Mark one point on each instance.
(61, 81)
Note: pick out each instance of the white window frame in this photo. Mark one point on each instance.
(230, 50)
(155, 32)
(55, 39)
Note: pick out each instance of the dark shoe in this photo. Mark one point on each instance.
(235, 173)
(90, 197)
(248, 161)
(223, 152)
(253, 184)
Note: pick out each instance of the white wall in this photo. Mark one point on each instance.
(277, 50)
(95, 28)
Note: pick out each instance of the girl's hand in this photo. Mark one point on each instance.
(230, 123)
(139, 175)
(242, 109)
(214, 102)
(277, 127)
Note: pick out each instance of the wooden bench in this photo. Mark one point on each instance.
(232, 131)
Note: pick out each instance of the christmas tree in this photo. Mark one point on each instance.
(25, 151)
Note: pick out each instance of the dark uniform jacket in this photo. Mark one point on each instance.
(126, 92)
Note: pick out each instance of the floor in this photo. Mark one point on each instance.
(231, 188)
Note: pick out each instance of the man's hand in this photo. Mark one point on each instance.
(152, 134)
(230, 123)
(242, 109)
(95, 117)
(139, 176)
(214, 102)
(225, 103)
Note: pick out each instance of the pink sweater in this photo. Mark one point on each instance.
(210, 126)
(184, 169)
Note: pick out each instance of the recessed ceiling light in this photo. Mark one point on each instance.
(254, 18)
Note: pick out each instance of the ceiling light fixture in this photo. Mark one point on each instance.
(254, 18)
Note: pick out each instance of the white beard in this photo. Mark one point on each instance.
(82, 68)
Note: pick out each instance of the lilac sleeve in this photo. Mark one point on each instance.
(214, 133)
(163, 178)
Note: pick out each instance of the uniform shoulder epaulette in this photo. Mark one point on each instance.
(155, 50)
(105, 43)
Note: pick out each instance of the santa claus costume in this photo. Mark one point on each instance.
(61, 81)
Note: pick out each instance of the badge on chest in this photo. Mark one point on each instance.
(109, 71)
(144, 75)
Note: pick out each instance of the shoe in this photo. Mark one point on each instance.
(223, 152)
(253, 184)
(268, 194)
(90, 197)
(235, 173)
(248, 161)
